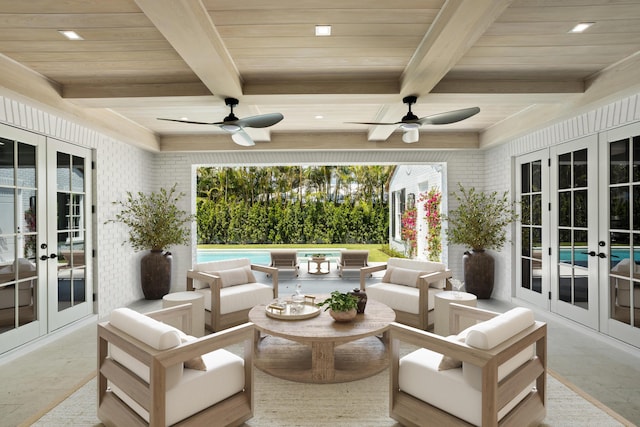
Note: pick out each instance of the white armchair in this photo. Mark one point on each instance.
(491, 374)
(230, 290)
(408, 287)
(152, 374)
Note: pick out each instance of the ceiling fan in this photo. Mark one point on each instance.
(410, 123)
(235, 126)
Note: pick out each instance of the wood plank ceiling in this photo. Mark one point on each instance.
(144, 59)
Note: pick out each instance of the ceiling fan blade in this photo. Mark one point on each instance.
(187, 121)
(411, 136)
(240, 137)
(449, 117)
(261, 121)
(373, 123)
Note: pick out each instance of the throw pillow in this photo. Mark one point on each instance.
(196, 362)
(449, 362)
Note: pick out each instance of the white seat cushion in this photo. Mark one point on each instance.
(198, 390)
(240, 297)
(419, 376)
(400, 297)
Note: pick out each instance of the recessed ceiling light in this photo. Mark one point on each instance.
(71, 35)
(184, 118)
(581, 27)
(319, 116)
(323, 30)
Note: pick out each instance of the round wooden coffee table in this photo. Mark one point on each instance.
(321, 350)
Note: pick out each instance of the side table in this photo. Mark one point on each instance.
(441, 309)
(197, 309)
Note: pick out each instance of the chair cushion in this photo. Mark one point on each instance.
(402, 276)
(223, 377)
(213, 266)
(419, 376)
(488, 334)
(240, 297)
(423, 266)
(400, 297)
(235, 276)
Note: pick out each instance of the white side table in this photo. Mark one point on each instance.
(441, 309)
(197, 312)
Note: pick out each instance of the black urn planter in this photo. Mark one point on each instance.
(155, 274)
(478, 273)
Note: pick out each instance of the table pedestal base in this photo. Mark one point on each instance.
(323, 361)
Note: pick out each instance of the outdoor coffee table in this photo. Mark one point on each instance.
(321, 350)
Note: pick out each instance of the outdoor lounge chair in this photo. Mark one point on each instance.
(352, 259)
(285, 259)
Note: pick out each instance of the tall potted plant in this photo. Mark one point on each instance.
(479, 222)
(155, 223)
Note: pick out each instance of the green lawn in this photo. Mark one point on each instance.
(375, 252)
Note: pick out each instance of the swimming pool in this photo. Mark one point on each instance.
(258, 256)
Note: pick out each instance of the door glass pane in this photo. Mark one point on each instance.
(580, 208)
(624, 277)
(63, 175)
(6, 162)
(18, 269)
(531, 214)
(71, 231)
(564, 171)
(580, 168)
(619, 162)
(619, 207)
(536, 176)
(564, 209)
(526, 181)
(573, 278)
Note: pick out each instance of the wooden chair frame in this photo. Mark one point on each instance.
(112, 411)
(411, 411)
(420, 320)
(217, 321)
(284, 259)
(352, 259)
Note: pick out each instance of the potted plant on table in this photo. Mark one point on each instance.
(155, 223)
(479, 222)
(342, 306)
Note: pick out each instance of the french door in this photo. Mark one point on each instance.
(45, 236)
(578, 248)
(68, 247)
(576, 252)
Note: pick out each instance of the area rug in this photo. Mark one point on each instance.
(359, 403)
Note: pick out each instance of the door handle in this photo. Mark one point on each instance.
(44, 257)
(602, 255)
(591, 253)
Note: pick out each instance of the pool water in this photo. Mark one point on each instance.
(257, 256)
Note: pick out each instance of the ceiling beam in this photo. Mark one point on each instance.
(332, 141)
(457, 27)
(27, 84)
(618, 81)
(183, 23)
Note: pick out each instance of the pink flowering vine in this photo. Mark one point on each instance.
(432, 200)
(409, 231)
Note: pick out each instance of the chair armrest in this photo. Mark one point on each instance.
(459, 311)
(182, 311)
(209, 343)
(209, 278)
(367, 271)
(436, 275)
(273, 271)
